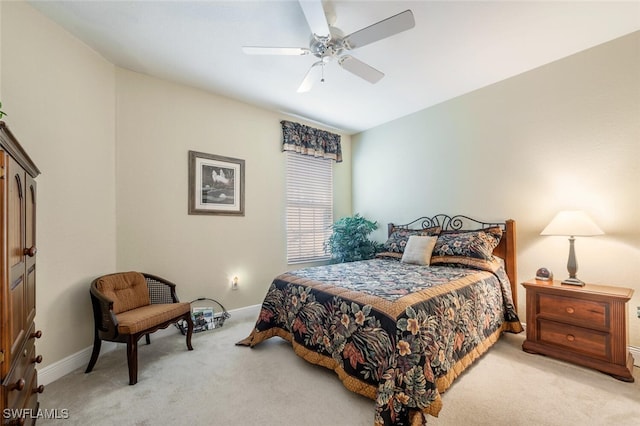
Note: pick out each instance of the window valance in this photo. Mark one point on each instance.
(309, 141)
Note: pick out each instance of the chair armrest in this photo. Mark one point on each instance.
(160, 289)
(105, 320)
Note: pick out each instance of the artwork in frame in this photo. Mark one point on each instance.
(216, 184)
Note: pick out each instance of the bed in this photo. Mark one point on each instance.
(397, 330)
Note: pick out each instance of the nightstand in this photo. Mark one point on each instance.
(583, 325)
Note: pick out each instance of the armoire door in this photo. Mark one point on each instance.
(4, 290)
(16, 183)
(30, 250)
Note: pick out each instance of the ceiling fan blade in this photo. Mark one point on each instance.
(314, 74)
(259, 50)
(359, 68)
(316, 18)
(393, 25)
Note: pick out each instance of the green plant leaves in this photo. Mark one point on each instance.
(349, 241)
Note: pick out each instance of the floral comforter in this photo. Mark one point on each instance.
(394, 332)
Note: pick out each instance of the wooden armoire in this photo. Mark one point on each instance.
(18, 357)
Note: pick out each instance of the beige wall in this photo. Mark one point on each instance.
(562, 136)
(60, 98)
(158, 123)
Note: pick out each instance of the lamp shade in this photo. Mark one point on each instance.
(575, 223)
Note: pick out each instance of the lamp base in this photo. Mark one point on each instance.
(573, 281)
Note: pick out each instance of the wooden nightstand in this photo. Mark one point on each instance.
(584, 325)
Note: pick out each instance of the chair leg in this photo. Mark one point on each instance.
(132, 358)
(189, 330)
(97, 343)
(148, 338)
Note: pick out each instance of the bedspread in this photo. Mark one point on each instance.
(394, 332)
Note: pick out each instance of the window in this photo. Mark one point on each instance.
(309, 207)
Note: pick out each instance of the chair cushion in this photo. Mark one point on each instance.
(128, 290)
(145, 317)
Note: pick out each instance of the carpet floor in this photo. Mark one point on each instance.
(219, 383)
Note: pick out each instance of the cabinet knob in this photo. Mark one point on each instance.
(36, 335)
(31, 251)
(570, 310)
(571, 337)
(37, 360)
(19, 385)
(39, 389)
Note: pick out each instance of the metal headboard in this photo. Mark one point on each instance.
(447, 223)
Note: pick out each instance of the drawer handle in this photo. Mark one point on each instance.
(19, 385)
(36, 360)
(571, 337)
(570, 310)
(39, 389)
(36, 335)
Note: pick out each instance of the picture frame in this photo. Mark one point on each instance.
(216, 184)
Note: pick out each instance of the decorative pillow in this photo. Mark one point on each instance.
(468, 262)
(418, 250)
(471, 248)
(399, 237)
(389, 255)
(127, 290)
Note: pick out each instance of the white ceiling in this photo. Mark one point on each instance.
(455, 47)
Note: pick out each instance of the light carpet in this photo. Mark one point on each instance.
(219, 383)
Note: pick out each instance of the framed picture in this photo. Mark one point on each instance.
(216, 184)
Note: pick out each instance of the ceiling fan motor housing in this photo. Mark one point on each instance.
(327, 47)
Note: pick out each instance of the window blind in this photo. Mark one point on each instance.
(309, 207)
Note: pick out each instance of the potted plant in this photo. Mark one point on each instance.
(349, 241)
(2, 113)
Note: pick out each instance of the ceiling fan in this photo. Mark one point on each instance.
(329, 43)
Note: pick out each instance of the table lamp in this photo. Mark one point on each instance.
(572, 223)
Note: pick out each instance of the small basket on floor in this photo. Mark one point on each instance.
(205, 316)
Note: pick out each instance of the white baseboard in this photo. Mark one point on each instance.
(54, 371)
(248, 312)
(635, 351)
(80, 359)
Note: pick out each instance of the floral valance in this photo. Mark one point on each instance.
(309, 141)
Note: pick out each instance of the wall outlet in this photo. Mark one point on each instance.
(234, 284)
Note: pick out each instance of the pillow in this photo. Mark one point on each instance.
(127, 290)
(418, 250)
(471, 248)
(399, 237)
(389, 255)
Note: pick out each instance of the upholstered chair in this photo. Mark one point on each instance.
(129, 305)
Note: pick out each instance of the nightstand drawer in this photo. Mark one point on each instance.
(591, 313)
(577, 339)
